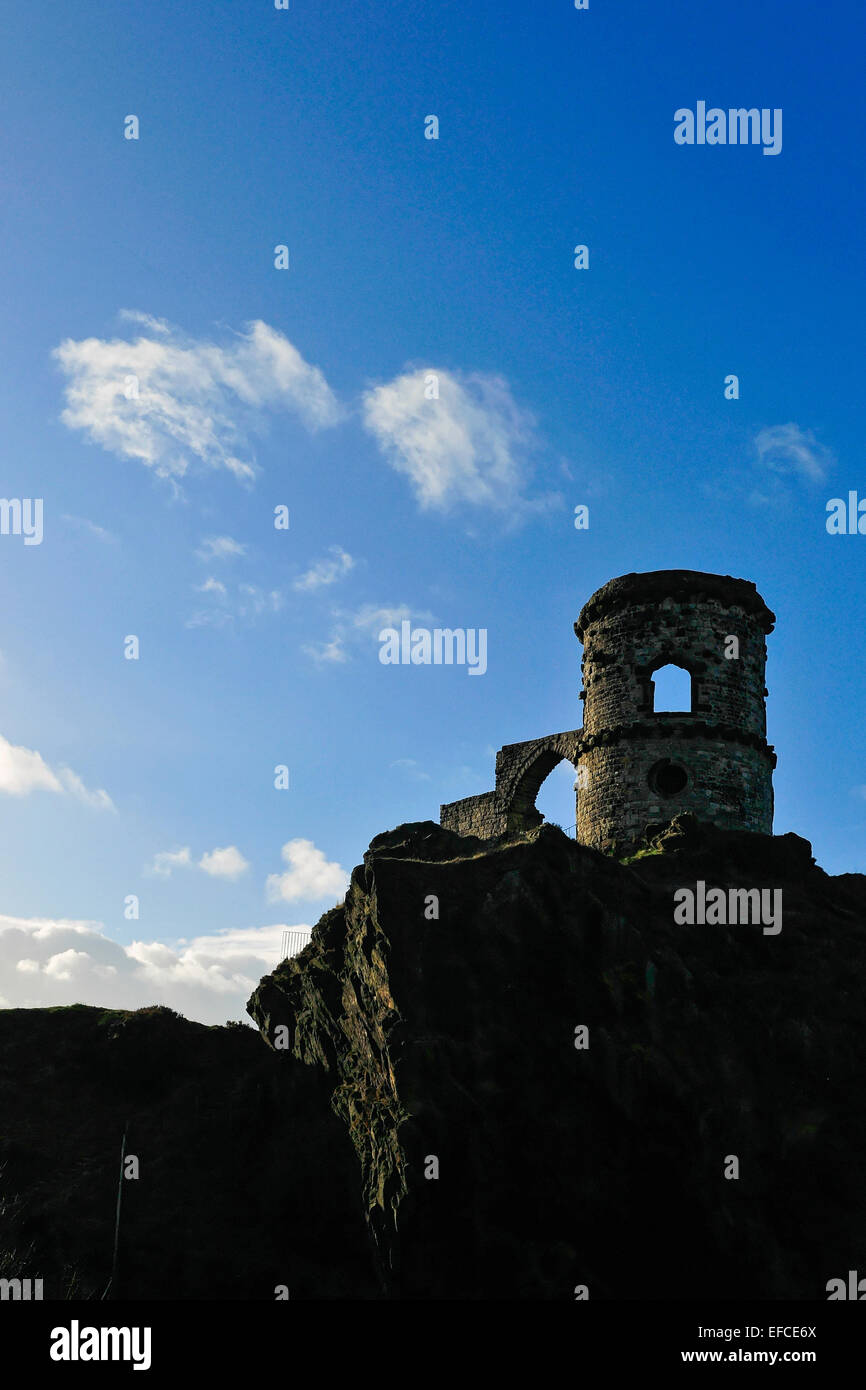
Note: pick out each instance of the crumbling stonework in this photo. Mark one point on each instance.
(637, 769)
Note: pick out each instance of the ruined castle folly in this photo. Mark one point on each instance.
(637, 767)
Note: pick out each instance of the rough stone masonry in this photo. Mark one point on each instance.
(638, 768)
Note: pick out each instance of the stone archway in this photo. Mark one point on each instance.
(520, 770)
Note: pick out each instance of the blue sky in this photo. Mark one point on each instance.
(303, 388)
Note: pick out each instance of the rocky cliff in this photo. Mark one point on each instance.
(442, 1001)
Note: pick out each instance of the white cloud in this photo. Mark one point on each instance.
(220, 548)
(212, 586)
(219, 863)
(167, 860)
(467, 446)
(47, 962)
(309, 875)
(72, 965)
(23, 770)
(224, 863)
(326, 571)
(195, 401)
(788, 449)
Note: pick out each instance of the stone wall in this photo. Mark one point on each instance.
(729, 784)
(520, 770)
(482, 815)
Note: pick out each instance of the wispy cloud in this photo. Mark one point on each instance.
(330, 652)
(326, 572)
(254, 600)
(468, 446)
(792, 451)
(153, 325)
(212, 586)
(355, 629)
(411, 768)
(243, 604)
(220, 548)
(81, 523)
(23, 770)
(210, 617)
(168, 399)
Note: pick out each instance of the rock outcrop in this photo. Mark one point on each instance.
(246, 1180)
(449, 1042)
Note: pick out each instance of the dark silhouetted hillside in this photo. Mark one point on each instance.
(398, 1038)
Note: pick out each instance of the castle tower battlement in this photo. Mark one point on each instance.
(638, 766)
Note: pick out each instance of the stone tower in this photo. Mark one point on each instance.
(639, 768)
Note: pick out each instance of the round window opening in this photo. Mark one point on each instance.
(668, 778)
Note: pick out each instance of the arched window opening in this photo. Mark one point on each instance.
(672, 690)
(555, 800)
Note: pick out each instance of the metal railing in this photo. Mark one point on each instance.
(294, 940)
